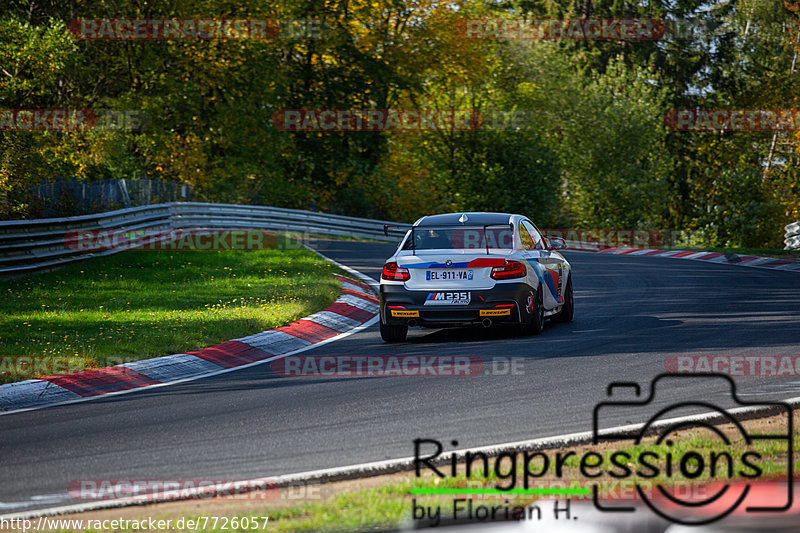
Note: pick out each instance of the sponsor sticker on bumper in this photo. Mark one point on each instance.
(405, 313)
(496, 312)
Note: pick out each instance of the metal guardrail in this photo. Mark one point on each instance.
(792, 240)
(29, 245)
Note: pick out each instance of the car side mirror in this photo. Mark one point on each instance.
(557, 243)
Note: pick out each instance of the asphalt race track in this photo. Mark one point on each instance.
(632, 313)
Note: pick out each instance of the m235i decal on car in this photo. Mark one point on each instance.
(448, 298)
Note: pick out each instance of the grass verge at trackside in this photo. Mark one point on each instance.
(142, 304)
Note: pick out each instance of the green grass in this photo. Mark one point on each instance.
(375, 509)
(141, 304)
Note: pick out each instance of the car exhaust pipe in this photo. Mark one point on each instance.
(486, 322)
(412, 323)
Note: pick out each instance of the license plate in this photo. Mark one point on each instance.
(448, 298)
(448, 275)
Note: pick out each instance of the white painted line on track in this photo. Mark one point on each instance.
(363, 277)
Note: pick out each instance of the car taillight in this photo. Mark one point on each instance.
(510, 270)
(392, 272)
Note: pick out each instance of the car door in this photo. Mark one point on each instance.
(549, 265)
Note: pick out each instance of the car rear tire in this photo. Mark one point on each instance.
(568, 311)
(393, 333)
(536, 324)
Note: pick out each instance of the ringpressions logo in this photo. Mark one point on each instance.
(650, 456)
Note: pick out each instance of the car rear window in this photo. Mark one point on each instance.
(460, 238)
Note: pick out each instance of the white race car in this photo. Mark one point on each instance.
(459, 269)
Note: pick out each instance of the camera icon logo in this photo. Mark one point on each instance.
(732, 463)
